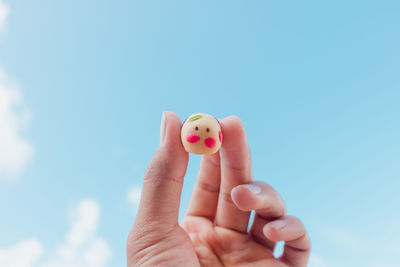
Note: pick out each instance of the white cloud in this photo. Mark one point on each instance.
(15, 150)
(24, 254)
(134, 196)
(4, 11)
(81, 246)
(98, 254)
(84, 222)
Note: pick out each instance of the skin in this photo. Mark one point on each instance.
(214, 230)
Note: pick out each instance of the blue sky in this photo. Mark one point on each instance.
(84, 83)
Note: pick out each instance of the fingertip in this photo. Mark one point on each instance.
(172, 115)
(171, 133)
(235, 149)
(170, 158)
(232, 119)
(243, 196)
(273, 230)
(287, 228)
(232, 125)
(172, 125)
(236, 195)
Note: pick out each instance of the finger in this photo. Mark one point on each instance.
(266, 202)
(297, 243)
(260, 197)
(163, 181)
(205, 193)
(235, 170)
(257, 234)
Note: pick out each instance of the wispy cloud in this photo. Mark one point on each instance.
(4, 11)
(134, 196)
(15, 150)
(81, 246)
(24, 254)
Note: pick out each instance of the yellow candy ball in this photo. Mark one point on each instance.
(201, 134)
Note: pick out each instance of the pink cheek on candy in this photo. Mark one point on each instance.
(220, 136)
(210, 142)
(192, 138)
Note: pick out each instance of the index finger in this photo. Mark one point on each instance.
(163, 181)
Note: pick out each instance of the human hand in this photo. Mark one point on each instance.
(214, 230)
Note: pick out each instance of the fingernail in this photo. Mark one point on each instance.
(255, 189)
(278, 225)
(163, 127)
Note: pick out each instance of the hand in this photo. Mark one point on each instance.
(214, 230)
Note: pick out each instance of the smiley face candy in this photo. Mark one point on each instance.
(201, 134)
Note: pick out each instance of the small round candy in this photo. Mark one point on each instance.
(201, 134)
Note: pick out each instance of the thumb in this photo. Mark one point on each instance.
(163, 181)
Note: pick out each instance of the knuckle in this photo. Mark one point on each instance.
(208, 187)
(160, 168)
(143, 237)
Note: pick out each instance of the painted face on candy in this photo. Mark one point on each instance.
(201, 134)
